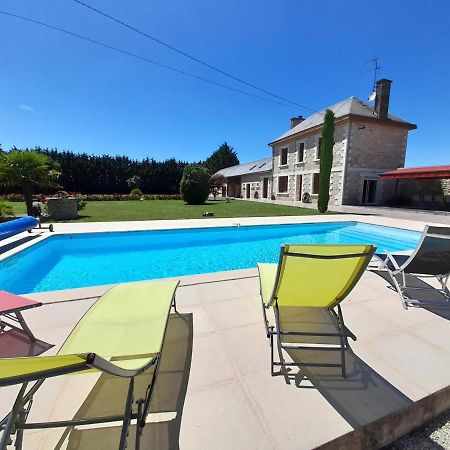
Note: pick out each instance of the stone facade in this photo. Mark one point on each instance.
(252, 185)
(300, 173)
(373, 148)
(362, 150)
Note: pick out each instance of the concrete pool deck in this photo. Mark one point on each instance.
(215, 389)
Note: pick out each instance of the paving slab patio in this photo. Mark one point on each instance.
(232, 401)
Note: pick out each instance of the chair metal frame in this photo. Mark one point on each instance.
(343, 333)
(16, 320)
(15, 421)
(16, 316)
(402, 270)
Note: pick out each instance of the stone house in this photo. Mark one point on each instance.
(368, 142)
(251, 180)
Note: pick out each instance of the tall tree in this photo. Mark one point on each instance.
(223, 157)
(326, 160)
(29, 171)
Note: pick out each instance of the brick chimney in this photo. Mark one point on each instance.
(383, 91)
(296, 120)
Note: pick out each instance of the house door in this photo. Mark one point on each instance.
(247, 191)
(265, 187)
(299, 188)
(369, 192)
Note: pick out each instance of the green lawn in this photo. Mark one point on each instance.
(176, 209)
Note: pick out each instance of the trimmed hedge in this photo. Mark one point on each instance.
(100, 197)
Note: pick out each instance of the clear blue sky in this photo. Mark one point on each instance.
(57, 91)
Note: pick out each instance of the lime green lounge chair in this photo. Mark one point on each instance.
(310, 279)
(122, 334)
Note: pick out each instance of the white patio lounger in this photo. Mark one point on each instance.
(431, 258)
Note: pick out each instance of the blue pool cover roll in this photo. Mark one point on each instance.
(13, 227)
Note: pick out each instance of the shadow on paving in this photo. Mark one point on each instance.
(421, 291)
(109, 394)
(16, 343)
(362, 397)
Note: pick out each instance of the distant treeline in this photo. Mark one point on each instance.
(92, 174)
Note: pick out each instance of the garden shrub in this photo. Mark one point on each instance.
(194, 186)
(136, 192)
(81, 202)
(6, 209)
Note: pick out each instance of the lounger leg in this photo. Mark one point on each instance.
(127, 416)
(272, 371)
(24, 326)
(443, 280)
(148, 396)
(343, 340)
(9, 426)
(398, 287)
(19, 434)
(140, 404)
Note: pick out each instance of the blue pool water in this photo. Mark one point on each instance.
(79, 260)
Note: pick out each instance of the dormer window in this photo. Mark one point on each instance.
(301, 152)
(284, 157)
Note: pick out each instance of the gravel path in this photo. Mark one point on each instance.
(432, 436)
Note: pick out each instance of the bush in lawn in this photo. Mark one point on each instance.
(81, 202)
(194, 186)
(6, 209)
(136, 192)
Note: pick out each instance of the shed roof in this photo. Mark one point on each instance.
(350, 106)
(260, 165)
(417, 172)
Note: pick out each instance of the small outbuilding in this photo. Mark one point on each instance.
(250, 180)
(421, 187)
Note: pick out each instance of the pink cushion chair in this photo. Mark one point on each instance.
(11, 307)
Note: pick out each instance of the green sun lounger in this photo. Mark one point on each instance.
(310, 279)
(122, 334)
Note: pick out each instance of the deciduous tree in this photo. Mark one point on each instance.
(216, 182)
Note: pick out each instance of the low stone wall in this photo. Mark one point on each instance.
(62, 208)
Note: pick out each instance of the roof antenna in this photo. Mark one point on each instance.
(376, 68)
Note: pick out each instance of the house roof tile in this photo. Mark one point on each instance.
(260, 165)
(349, 106)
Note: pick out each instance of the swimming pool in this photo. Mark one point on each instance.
(78, 260)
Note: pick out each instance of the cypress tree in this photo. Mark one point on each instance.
(326, 160)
